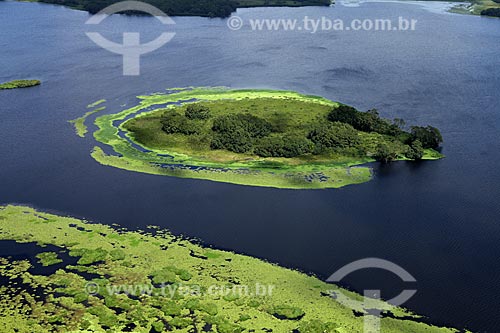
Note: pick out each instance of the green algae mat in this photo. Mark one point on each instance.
(135, 141)
(109, 279)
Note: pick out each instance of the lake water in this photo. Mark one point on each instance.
(439, 220)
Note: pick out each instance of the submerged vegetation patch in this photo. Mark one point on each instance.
(267, 138)
(128, 281)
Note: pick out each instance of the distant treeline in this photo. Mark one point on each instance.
(491, 11)
(209, 8)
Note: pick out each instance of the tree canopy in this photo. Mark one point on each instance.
(197, 111)
(386, 153)
(335, 134)
(430, 137)
(174, 122)
(237, 132)
(341, 131)
(369, 121)
(415, 151)
(491, 12)
(283, 146)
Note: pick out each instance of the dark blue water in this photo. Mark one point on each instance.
(438, 220)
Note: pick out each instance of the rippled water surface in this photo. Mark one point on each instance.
(439, 220)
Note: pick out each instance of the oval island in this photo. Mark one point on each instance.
(270, 138)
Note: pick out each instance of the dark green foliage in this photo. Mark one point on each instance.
(281, 122)
(197, 111)
(213, 8)
(415, 151)
(369, 121)
(400, 123)
(209, 8)
(270, 131)
(236, 132)
(429, 136)
(386, 153)
(491, 12)
(344, 114)
(238, 141)
(334, 135)
(255, 126)
(405, 137)
(173, 122)
(283, 146)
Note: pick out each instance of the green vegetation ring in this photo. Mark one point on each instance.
(244, 169)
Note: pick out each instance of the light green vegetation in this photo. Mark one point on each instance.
(19, 84)
(79, 123)
(150, 150)
(48, 258)
(116, 257)
(96, 103)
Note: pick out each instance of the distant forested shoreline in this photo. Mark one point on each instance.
(207, 8)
